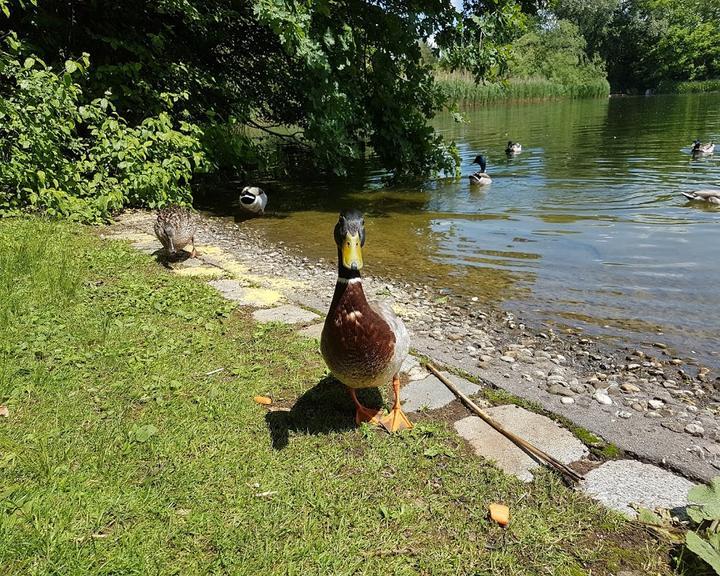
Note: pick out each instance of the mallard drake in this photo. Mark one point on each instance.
(363, 344)
(710, 196)
(480, 178)
(253, 199)
(175, 229)
(513, 148)
(700, 149)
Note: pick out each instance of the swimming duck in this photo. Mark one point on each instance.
(710, 196)
(253, 199)
(700, 149)
(175, 229)
(513, 148)
(480, 178)
(363, 344)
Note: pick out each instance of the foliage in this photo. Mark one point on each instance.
(646, 42)
(68, 158)
(689, 87)
(557, 54)
(349, 75)
(120, 457)
(705, 512)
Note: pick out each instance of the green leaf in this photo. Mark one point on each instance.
(144, 433)
(70, 66)
(704, 550)
(708, 497)
(29, 63)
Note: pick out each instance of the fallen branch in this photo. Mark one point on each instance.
(532, 450)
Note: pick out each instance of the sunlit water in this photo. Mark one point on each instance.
(585, 228)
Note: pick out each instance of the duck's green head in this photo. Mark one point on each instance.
(350, 238)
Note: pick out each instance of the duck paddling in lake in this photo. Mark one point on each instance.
(363, 343)
(253, 200)
(709, 196)
(480, 178)
(513, 148)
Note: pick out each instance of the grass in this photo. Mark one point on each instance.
(462, 87)
(121, 455)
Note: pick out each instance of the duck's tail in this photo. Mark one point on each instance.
(690, 195)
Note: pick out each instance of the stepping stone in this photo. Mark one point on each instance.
(619, 483)
(256, 297)
(411, 367)
(535, 428)
(287, 314)
(432, 394)
(313, 331)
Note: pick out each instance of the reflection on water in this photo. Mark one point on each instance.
(586, 227)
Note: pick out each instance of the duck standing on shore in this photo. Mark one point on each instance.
(480, 178)
(709, 196)
(700, 149)
(175, 229)
(253, 199)
(363, 344)
(513, 148)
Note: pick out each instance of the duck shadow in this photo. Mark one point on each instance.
(325, 408)
(164, 259)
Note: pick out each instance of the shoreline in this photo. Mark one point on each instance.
(650, 404)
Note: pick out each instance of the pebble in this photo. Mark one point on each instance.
(567, 400)
(601, 397)
(629, 388)
(695, 429)
(656, 404)
(637, 407)
(632, 367)
(623, 414)
(560, 390)
(673, 425)
(508, 359)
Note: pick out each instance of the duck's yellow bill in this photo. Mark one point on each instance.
(352, 252)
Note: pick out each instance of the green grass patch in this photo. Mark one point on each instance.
(461, 87)
(121, 455)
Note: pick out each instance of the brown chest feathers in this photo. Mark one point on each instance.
(357, 343)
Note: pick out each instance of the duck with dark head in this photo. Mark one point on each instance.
(363, 343)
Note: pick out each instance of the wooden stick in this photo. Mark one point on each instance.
(524, 444)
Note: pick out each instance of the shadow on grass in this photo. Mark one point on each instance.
(325, 408)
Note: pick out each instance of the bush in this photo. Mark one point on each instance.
(64, 157)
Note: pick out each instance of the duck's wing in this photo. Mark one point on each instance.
(402, 338)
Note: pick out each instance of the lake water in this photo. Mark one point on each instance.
(586, 228)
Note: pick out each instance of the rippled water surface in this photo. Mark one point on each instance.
(585, 228)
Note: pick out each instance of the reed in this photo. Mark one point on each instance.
(461, 87)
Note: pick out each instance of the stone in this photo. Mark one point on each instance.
(508, 359)
(313, 331)
(287, 314)
(619, 483)
(560, 390)
(567, 400)
(602, 397)
(656, 404)
(631, 388)
(432, 394)
(694, 429)
(539, 430)
(623, 414)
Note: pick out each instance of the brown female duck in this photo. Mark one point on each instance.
(364, 344)
(175, 229)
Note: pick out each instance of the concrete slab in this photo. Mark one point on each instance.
(619, 483)
(432, 394)
(287, 314)
(312, 331)
(540, 430)
(256, 297)
(412, 369)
